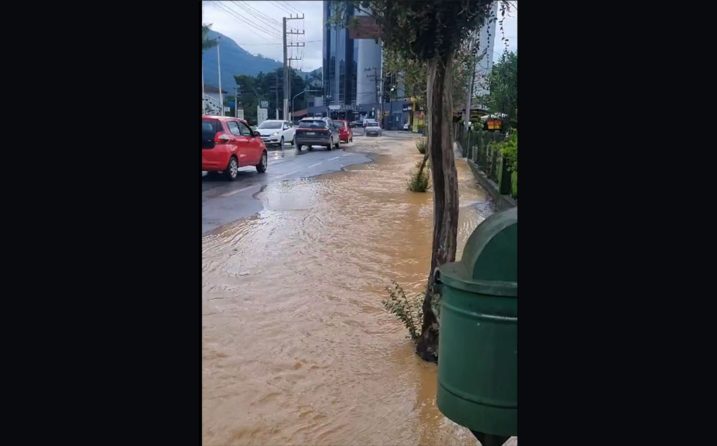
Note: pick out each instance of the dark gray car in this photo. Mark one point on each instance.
(316, 132)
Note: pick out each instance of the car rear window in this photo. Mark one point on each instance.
(270, 125)
(312, 124)
(209, 129)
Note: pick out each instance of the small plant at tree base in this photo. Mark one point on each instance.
(419, 180)
(408, 310)
(421, 145)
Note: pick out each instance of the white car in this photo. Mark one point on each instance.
(276, 132)
(373, 129)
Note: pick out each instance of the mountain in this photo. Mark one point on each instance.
(309, 73)
(234, 60)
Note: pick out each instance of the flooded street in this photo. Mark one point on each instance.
(297, 347)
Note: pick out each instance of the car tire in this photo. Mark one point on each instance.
(261, 167)
(298, 147)
(232, 170)
(281, 143)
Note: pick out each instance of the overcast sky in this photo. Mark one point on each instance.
(256, 27)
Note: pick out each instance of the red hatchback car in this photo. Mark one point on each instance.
(345, 132)
(228, 144)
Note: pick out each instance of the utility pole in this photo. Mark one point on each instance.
(236, 101)
(219, 73)
(286, 72)
(276, 102)
(381, 85)
(287, 59)
(377, 89)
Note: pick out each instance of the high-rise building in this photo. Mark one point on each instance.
(368, 71)
(486, 42)
(354, 84)
(340, 54)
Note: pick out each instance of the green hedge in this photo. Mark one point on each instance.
(509, 150)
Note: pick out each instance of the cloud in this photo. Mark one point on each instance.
(256, 27)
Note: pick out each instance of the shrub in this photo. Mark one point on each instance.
(508, 149)
(408, 310)
(421, 145)
(419, 178)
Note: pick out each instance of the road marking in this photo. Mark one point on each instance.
(234, 192)
(287, 174)
(314, 165)
(334, 158)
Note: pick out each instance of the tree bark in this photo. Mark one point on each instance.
(445, 190)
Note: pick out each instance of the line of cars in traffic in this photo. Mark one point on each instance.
(322, 132)
(229, 143)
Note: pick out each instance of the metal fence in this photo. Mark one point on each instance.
(475, 145)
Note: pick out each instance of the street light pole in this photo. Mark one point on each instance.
(219, 73)
(236, 101)
(299, 94)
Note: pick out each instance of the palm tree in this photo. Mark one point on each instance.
(206, 41)
(206, 44)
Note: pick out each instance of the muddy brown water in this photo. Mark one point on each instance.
(297, 347)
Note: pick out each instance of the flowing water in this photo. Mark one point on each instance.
(297, 347)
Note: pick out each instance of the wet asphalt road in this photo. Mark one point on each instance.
(226, 201)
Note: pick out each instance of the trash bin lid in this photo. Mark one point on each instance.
(490, 258)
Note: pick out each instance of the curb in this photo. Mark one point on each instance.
(501, 201)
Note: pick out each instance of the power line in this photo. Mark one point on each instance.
(259, 21)
(269, 27)
(244, 20)
(290, 6)
(282, 7)
(275, 44)
(258, 15)
(266, 16)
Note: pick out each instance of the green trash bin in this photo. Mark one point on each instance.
(478, 340)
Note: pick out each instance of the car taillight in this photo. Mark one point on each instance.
(221, 138)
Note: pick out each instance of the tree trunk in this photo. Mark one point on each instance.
(445, 190)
